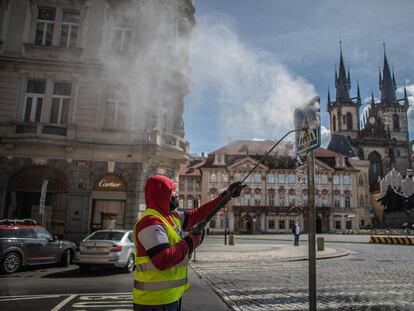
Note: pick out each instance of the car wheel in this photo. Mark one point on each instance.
(84, 268)
(66, 258)
(11, 263)
(130, 266)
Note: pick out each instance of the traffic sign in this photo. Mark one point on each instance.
(308, 123)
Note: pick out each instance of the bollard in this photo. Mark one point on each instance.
(320, 244)
(231, 239)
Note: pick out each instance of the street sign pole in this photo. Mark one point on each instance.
(310, 160)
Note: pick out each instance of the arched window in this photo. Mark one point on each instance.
(349, 125)
(396, 123)
(334, 123)
(375, 167)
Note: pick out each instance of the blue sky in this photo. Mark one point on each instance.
(254, 61)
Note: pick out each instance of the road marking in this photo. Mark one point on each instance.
(28, 297)
(63, 303)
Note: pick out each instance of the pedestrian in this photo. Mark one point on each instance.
(162, 249)
(296, 233)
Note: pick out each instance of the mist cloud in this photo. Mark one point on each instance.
(252, 93)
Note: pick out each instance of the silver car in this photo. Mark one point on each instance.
(106, 248)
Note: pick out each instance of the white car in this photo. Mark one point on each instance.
(106, 248)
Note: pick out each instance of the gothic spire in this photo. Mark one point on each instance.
(349, 78)
(372, 98)
(406, 101)
(358, 95)
(329, 97)
(342, 85)
(387, 84)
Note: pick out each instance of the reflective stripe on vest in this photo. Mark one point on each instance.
(159, 285)
(150, 266)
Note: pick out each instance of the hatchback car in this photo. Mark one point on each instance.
(107, 248)
(22, 242)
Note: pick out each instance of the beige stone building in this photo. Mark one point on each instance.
(276, 192)
(91, 99)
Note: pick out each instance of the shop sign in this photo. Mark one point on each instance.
(110, 183)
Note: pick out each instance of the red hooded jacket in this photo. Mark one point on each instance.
(151, 236)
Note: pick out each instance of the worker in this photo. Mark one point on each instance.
(161, 247)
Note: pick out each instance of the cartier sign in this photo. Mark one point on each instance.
(110, 183)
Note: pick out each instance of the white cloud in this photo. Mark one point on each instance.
(252, 93)
(325, 136)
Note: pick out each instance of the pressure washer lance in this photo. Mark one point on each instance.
(200, 227)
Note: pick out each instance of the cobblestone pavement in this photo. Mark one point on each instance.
(373, 277)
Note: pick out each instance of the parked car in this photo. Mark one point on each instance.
(23, 242)
(107, 248)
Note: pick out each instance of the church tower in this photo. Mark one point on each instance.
(344, 110)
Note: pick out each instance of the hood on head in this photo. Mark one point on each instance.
(158, 191)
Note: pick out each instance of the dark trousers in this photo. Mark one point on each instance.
(296, 242)
(174, 306)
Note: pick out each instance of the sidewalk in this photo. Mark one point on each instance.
(329, 238)
(201, 296)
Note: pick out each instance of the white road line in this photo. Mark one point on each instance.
(30, 297)
(63, 303)
(78, 294)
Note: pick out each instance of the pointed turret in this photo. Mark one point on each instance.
(342, 86)
(329, 97)
(372, 98)
(358, 95)
(393, 80)
(349, 79)
(406, 101)
(387, 84)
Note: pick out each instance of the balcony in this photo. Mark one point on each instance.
(168, 140)
(37, 130)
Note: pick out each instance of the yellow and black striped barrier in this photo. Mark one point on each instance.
(402, 240)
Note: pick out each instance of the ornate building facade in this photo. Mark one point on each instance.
(276, 192)
(91, 100)
(380, 136)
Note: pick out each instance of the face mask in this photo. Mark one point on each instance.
(173, 203)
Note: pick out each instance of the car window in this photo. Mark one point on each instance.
(107, 235)
(130, 237)
(8, 233)
(42, 233)
(25, 233)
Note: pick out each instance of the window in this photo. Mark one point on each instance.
(281, 224)
(8, 233)
(282, 200)
(347, 201)
(349, 124)
(271, 198)
(335, 179)
(362, 223)
(291, 199)
(271, 178)
(60, 103)
(44, 25)
(271, 224)
(337, 202)
(122, 35)
(247, 198)
(291, 179)
(70, 29)
(324, 200)
(26, 233)
(324, 179)
(338, 224)
(43, 234)
(258, 178)
(257, 199)
(190, 203)
(35, 92)
(116, 115)
(249, 178)
(347, 180)
(282, 178)
(349, 224)
(181, 202)
(396, 123)
(224, 177)
(213, 177)
(334, 123)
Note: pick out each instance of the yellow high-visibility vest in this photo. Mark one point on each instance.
(156, 287)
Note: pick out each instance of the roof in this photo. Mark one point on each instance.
(192, 168)
(258, 147)
(340, 144)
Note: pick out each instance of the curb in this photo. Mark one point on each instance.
(391, 240)
(286, 240)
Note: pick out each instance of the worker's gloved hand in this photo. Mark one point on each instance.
(193, 240)
(235, 188)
